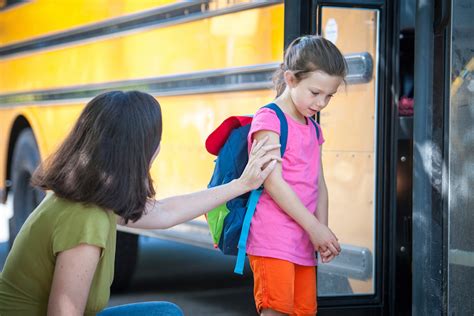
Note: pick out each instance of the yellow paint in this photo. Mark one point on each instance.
(49, 124)
(187, 120)
(151, 53)
(43, 17)
(183, 164)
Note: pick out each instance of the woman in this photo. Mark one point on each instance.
(62, 260)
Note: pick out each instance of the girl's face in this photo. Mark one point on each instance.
(313, 93)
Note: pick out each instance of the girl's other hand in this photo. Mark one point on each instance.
(323, 238)
(326, 255)
(260, 164)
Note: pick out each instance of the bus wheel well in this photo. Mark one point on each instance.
(19, 125)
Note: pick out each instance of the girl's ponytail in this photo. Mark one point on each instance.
(279, 80)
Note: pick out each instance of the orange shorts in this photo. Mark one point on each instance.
(284, 286)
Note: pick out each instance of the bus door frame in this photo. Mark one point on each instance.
(301, 17)
(430, 157)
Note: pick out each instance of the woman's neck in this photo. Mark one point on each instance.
(285, 102)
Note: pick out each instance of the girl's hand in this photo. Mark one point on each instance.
(325, 241)
(260, 164)
(326, 255)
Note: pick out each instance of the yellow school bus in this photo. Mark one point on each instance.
(207, 60)
(204, 61)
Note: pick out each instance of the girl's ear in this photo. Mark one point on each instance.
(290, 79)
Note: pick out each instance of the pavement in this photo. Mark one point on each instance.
(200, 281)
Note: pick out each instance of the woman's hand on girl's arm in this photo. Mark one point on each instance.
(73, 274)
(262, 161)
(179, 209)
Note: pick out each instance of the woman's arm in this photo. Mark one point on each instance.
(73, 274)
(182, 208)
(286, 198)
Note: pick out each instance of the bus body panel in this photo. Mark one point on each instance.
(50, 86)
(49, 17)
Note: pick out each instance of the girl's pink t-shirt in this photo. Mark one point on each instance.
(272, 232)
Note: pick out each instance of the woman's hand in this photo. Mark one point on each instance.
(260, 164)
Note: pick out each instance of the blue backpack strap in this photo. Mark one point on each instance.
(255, 194)
(283, 125)
(242, 246)
(315, 126)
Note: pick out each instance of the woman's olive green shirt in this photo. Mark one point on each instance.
(54, 226)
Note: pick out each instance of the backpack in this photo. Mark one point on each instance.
(229, 223)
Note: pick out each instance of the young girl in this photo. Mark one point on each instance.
(291, 218)
(62, 260)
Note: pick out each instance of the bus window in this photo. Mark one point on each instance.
(349, 154)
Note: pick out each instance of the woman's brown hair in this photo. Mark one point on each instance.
(307, 54)
(106, 158)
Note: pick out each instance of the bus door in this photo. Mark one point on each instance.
(358, 150)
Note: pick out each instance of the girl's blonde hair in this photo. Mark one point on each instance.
(307, 54)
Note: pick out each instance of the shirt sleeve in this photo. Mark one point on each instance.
(81, 225)
(265, 119)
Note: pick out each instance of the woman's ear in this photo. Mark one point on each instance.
(290, 78)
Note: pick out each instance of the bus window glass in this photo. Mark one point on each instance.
(461, 158)
(349, 153)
